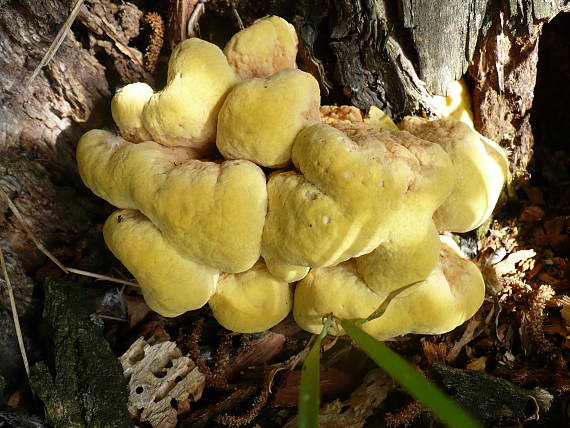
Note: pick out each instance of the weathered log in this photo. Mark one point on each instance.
(382, 53)
(491, 399)
(25, 297)
(41, 121)
(11, 364)
(88, 388)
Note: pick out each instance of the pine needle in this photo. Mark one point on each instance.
(59, 38)
(15, 314)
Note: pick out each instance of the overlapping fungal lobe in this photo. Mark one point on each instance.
(171, 283)
(261, 117)
(480, 169)
(448, 296)
(212, 213)
(251, 301)
(411, 249)
(349, 190)
(346, 117)
(263, 49)
(336, 290)
(354, 216)
(185, 112)
(126, 108)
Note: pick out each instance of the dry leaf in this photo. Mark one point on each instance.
(361, 404)
(477, 364)
(509, 264)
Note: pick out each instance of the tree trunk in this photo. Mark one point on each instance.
(364, 52)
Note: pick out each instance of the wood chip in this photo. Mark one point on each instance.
(477, 364)
(471, 332)
(137, 309)
(159, 376)
(565, 311)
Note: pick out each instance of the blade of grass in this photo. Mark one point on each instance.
(417, 385)
(309, 390)
(382, 308)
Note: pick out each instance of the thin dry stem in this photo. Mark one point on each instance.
(236, 16)
(54, 259)
(101, 277)
(59, 38)
(15, 313)
(28, 231)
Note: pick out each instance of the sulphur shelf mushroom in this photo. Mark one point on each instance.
(449, 295)
(232, 183)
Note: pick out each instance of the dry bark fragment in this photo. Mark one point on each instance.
(85, 388)
(158, 375)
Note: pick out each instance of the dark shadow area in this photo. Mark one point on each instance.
(549, 114)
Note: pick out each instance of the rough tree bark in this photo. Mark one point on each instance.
(363, 52)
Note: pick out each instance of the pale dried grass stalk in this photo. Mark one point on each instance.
(15, 314)
(59, 38)
(28, 231)
(39, 245)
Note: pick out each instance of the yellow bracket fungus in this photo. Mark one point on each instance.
(261, 117)
(268, 46)
(353, 219)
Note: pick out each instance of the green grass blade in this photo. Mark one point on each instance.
(310, 388)
(417, 385)
(309, 392)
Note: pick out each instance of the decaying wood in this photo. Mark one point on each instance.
(491, 399)
(88, 389)
(159, 375)
(369, 63)
(379, 51)
(179, 13)
(361, 404)
(11, 365)
(20, 419)
(504, 71)
(40, 125)
(14, 311)
(54, 215)
(444, 36)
